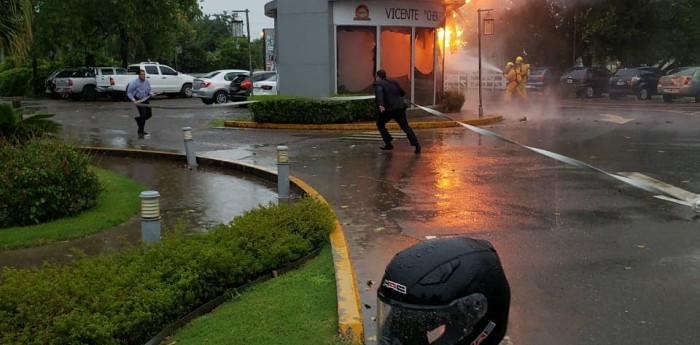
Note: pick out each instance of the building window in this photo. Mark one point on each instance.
(424, 66)
(357, 56)
(396, 55)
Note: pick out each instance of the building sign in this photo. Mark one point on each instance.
(362, 12)
(389, 13)
(269, 42)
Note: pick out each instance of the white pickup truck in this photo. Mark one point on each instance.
(83, 83)
(163, 79)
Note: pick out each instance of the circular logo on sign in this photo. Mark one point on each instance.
(362, 12)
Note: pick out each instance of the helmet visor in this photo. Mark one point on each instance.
(406, 324)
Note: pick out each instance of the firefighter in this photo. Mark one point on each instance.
(511, 81)
(522, 72)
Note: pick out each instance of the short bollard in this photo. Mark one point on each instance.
(150, 216)
(282, 173)
(187, 136)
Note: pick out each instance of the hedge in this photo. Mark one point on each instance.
(126, 297)
(16, 82)
(276, 109)
(44, 180)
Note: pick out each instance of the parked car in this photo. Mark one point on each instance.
(242, 85)
(214, 87)
(266, 87)
(542, 79)
(50, 82)
(680, 82)
(83, 84)
(585, 81)
(639, 81)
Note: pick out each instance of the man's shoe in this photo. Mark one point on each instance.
(387, 147)
(418, 148)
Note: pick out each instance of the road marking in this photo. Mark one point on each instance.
(685, 197)
(615, 119)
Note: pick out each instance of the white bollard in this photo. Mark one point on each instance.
(282, 172)
(150, 216)
(189, 151)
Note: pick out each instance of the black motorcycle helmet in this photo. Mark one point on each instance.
(446, 291)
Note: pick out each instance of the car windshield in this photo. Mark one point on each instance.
(627, 72)
(576, 73)
(537, 71)
(684, 71)
(212, 74)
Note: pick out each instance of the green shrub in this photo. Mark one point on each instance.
(15, 128)
(127, 297)
(44, 180)
(16, 82)
(451, 101)
(311, 111)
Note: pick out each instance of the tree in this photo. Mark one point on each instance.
(16, 28)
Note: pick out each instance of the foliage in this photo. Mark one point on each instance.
(44, 180)
(126, 297)
(15, 128)
(130, 29)
(15, 28)
(16, 82)
(451, 101)
(116, 203)
(280, 109)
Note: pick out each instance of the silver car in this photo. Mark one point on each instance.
(680, 82)
(214, 86)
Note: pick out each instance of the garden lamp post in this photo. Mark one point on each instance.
(238, 33)
(488, 30)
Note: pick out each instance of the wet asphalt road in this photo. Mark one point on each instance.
(589, 259)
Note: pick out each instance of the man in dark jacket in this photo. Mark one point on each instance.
(389, 98)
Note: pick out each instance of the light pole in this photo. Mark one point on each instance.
(488, 30)
(247, 25)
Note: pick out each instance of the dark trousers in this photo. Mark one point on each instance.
(400, 117)
(145, 113)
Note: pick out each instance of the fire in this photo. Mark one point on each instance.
(451, 35)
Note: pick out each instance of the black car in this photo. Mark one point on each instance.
(586, 82)
(639, 81)
(542, 79)
(242, 85)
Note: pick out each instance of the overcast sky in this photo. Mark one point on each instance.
(258, 20)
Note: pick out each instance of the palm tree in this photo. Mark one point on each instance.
(16, 27)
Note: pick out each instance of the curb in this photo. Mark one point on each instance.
(363, 125)
(350, 322)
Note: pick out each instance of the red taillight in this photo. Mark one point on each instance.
(266, 87)
(688, 81)
(111, 81)
(245, 85)
(541, 79)
(70, 82)
(206, 84)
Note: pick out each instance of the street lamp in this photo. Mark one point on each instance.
(238, 33)
(488, 30)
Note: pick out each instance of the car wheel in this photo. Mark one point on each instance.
(644, 94)
(667, 98)
(89, 93)
(186, 91)
(220, 97)
(590, 92)
(207, 101)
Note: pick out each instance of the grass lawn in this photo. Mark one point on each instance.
(118, 202)
(299, 307)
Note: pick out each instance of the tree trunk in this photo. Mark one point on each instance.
(123, 47)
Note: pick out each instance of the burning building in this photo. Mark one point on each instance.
(326, 47)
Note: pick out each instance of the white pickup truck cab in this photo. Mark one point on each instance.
(163, 79)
